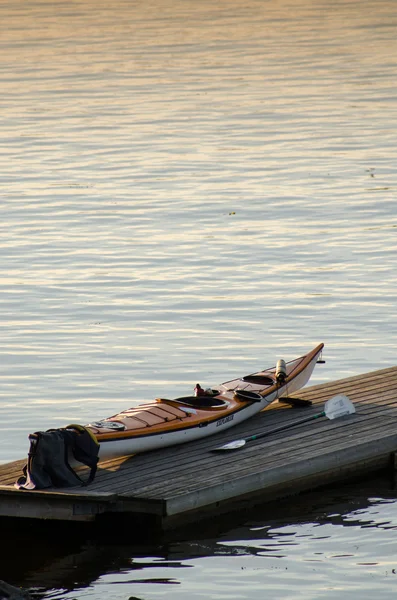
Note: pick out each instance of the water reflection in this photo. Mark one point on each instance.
(321, 528)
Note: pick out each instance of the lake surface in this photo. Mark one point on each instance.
(188, 192)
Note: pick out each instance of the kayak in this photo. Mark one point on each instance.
(165, 422)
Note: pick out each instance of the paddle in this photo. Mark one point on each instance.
(336, 407)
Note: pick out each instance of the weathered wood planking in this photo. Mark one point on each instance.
(179, 481)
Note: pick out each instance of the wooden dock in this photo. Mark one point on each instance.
(189, 482)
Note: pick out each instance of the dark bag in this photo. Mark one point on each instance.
(48, 458)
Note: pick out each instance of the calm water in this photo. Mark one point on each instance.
(189, 191)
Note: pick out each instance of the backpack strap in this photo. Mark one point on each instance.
(84, 447)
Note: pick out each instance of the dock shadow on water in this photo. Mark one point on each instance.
(322, 542)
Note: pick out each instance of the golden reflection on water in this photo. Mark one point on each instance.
(188, 188)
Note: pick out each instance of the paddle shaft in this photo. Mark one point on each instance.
(283, 427)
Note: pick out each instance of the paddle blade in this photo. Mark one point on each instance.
(339, 406)
(230, 445)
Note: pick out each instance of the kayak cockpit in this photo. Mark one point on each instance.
(198, 401)
(263, 380)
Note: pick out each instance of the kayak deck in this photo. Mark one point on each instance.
(163, 416)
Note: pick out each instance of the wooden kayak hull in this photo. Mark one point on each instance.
(165, 422)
